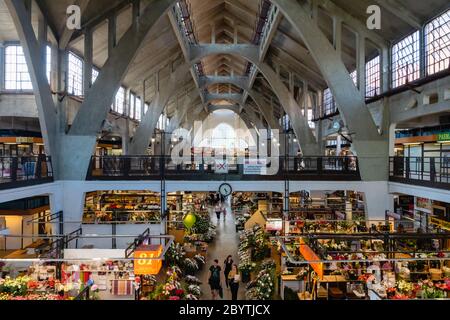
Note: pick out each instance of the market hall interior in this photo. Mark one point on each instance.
(323, 144)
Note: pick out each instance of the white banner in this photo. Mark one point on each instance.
(255, 166)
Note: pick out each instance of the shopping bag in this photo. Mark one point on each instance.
(221, 292)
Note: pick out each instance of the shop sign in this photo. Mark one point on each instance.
(274, 225)
(24, 140)
(423, 203)
(443, 136)
(440, 223)
(143, 264)
(255, 166)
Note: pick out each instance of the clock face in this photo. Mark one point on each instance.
(225, 190)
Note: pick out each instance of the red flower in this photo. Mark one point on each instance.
(179, 293)
(174, 298)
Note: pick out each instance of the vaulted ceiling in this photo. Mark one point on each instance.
(287, 51)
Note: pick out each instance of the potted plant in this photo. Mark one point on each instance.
(190, 266)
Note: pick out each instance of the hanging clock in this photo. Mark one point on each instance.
(225, 190)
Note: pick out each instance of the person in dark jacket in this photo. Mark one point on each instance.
(228, 264)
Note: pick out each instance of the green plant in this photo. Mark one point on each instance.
(175, 254)
(190, 266)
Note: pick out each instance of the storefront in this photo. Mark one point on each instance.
(29, 218)
(122, 206)
(15, 143)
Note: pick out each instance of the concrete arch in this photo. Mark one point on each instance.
(242, 83)
(144, 132)
(301, 128)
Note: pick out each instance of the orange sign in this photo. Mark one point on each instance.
(310, 255)
(143, 264)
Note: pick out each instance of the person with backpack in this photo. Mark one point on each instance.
(214, 279)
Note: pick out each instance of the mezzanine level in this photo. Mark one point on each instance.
(432, 172)
(228, 168)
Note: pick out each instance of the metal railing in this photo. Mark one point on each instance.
(21, 171)
(425, 171)
(162, 167)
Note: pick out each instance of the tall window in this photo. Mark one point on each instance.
(373, 87)
(329, 105)
(138, 115)
(132, 105)
(354, 76)
(16, 70)
(162, 122)
(95, 73)
(48, 62)
(406, 60)
(311, 123)
(437, 43)
(285, 122)
(120, 100)
(75, 75)
(146, 107)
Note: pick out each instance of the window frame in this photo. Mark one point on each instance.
(373, 78)
(80, 88)
(17, 88)
(416, 59)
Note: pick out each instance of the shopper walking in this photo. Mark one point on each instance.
(228, 265)
(218, 209)
(224, 211)
(214, 279)
(234, 278)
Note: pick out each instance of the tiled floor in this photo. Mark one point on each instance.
(226, 243)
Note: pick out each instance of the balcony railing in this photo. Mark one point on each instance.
(23, 171)
(431, 172)
(157, 168)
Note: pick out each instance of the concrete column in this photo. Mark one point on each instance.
(136, 11)
(361, 64)
(392, 139)
(88, 64)
(69, 199)
(377, 200)
(42, 39)
(126, 137)
(423, 71)
(112, 34)
(385, 70)
(291, 82)
(2, 66)
(61, 68)
(304, 102)
(337, 34)
(338, 145)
